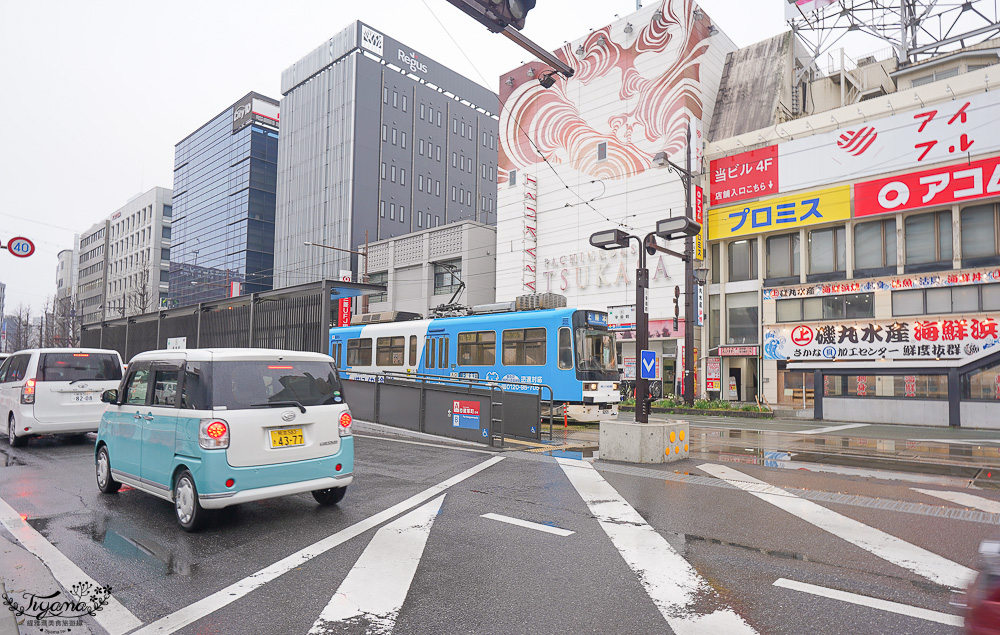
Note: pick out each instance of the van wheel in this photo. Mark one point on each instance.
(191, 516)
(14, 440)
(330, 496)
(105, 482)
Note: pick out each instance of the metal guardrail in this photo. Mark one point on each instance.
(491, 382)
(494, 391)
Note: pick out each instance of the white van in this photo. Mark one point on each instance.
(55, 390)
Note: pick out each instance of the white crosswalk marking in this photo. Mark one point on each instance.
(375, 588)
(670, 581)
(833, 428)
(114, 617)
(961, 498)
(875, 603)
(899, 552)
(528, 524)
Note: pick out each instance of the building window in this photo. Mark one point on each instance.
(381, 209)
(454, 125)
(602, 151)
(959, 299)
(402, 140)
(392, 174)
(392, 211)
(875, 245)
(524, 347)
(420, 147)
(477, 348)
(827, 250)
(389, 351)
(166, 232)
(833, 307)
(447, 276)
(438, 153)
(379, 277)
(385, 132)
(359, 352)
(743, 260)
(783, 256)
(420, 218)
(404, 103)
(421, 112)
(454, 160)
(439, 119)
(512, 178)
(716, 259)
(402, 176)
(463, 128)
(928, 238)
(484, 139)
(420, 182)
(383, 170)
(402, 212)
(393, 136)
(453, 191)
(742, 323)
(714, 320)
(395, 99)
(385, 95)
(982, 383)
(979, 232)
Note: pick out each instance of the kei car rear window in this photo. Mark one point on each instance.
(78, 366)
(243, 384)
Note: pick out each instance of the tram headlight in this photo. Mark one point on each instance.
(614, 386)
(589, 386)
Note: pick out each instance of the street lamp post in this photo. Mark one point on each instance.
(668, 229)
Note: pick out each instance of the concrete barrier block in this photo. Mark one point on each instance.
(632, 442)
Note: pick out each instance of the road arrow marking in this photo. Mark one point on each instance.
(895, 550)
(375, 588)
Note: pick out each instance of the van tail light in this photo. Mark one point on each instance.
(213, 434)
(28, 392)
(345, 424)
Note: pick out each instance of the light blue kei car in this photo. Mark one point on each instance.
(210, 428)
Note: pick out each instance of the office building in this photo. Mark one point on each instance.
(223, 204)
(138, 254)
(378, 141)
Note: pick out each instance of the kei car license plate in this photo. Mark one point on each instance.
(287, 437)
(87, 396)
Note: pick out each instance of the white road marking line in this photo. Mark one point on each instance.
(958, 441)
(833, 428)
(114, 618)
(961, 498)
(206, 606)
(375, 588)
(899, 552)
(430, 445)
(863, 600)
(671, 582)
(530, 525)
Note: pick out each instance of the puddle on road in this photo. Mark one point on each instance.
(940, 458)
(8, 460)
(143, 550)
(578, 453)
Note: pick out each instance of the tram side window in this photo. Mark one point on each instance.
(443, 360)
(335, 352)
(389, 351)
(565, 349)
(430, 346)
(477, 348)
(524, 347)
(413, 350)
(359, 352)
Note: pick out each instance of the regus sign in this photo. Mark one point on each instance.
(410, 61)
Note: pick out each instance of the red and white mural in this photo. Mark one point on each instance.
(654, 102)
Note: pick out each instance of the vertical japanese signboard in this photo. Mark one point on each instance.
(344, 314)
(713, 373)
(699, 217)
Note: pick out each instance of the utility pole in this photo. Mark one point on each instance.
(688, 282)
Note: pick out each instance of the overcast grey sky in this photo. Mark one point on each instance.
(96, 94)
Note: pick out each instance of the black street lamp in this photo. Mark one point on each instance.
(668, 229)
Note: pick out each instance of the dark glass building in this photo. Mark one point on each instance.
(224, 195)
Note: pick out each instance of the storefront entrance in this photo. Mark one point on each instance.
(741, 380)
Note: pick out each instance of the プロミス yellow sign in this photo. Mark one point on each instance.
(780, 213)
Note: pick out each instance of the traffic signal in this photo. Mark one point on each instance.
(677, 307)
(497, 14)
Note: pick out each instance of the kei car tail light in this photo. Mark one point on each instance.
(345, 424)
(28, 392)
(213, 434)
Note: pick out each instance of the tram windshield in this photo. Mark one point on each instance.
(595, 350)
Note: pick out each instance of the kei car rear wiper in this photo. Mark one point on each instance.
(272, 404)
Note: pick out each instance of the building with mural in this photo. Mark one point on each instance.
(855, 227)
(590, 153)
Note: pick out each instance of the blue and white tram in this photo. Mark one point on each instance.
(570, 350)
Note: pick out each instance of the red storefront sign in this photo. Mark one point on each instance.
(928, 188)
(746, 175)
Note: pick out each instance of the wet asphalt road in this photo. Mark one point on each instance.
(477, 575)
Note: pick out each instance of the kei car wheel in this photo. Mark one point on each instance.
(191, 516)
(14, 440)
(330, 496)
(105, 482)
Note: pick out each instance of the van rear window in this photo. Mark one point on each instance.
(78, 366)
(238, 385)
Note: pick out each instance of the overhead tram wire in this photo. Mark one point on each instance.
(525, 132)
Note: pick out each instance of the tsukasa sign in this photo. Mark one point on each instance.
(781, 213)
(929, 188)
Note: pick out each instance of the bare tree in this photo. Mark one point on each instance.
(138, 296)
(66, 331)
(20, 335)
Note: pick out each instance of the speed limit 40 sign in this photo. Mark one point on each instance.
(20, 247)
